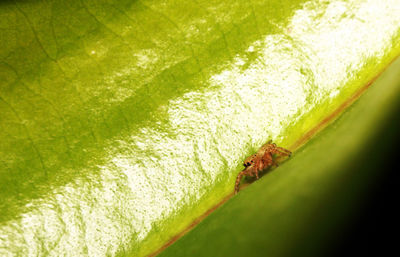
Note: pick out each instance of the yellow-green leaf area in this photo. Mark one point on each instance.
(123, 121)
(304, 208)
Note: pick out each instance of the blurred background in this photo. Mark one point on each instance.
(373, 228)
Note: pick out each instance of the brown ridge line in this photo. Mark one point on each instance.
(301, 141)
(331, 117)
(192, 225)
(327, 120)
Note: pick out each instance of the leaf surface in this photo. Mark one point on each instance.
(124, 121)
(301, 208)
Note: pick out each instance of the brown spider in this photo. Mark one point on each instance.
(260, 161)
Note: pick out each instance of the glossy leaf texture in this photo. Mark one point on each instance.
(301, 209)
(124, 121)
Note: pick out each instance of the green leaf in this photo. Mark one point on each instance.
(124, 121)
(299, 210)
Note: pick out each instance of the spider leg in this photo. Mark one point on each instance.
(281, 151)
(267, 160)
(258, 167)
(249, 171)
(284, 150)
(238, 178)
(266, 147)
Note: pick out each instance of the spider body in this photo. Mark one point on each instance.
(261, 160)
